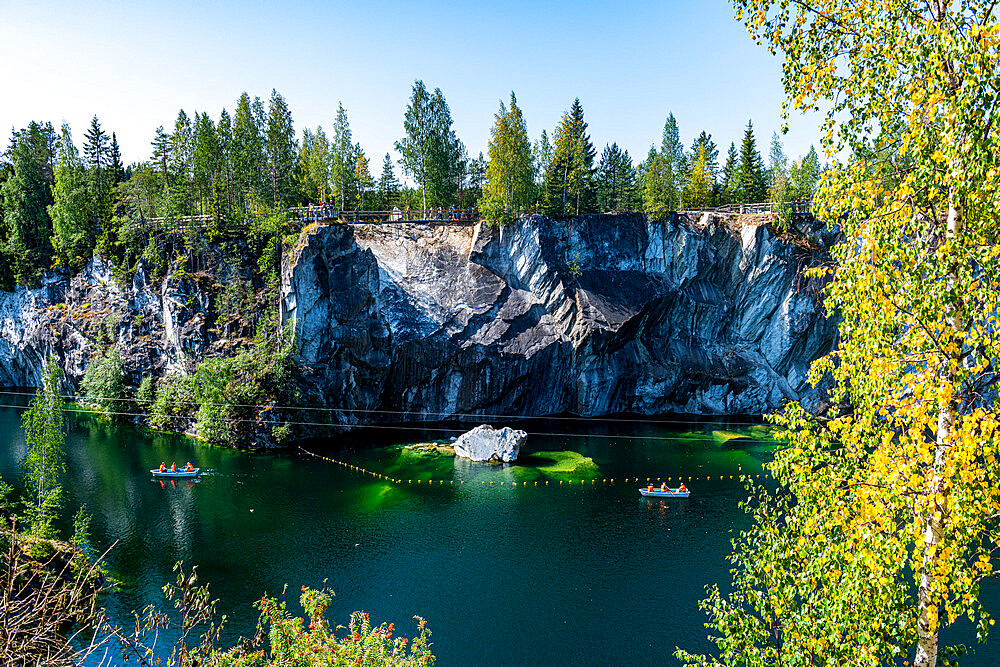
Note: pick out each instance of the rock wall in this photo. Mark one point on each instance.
(592, 315)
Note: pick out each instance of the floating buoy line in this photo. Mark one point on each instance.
(583, 482)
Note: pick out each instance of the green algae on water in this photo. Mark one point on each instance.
(555, 465)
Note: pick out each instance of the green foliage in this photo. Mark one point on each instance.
(569, 186)
(41, 550)
(885, 522)
(312, 642)
(146, 394)
(617, 189)
(228, 390)
(430, 152)
(172, 404)
(752, 176)
(72, 211)
(104, 387)
(26, 198)
(510, 183)
(45, 461)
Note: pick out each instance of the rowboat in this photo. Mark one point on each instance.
(174, 474)
(669, 493)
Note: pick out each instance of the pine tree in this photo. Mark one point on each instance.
(281, 150)
(510, 184)
(477, 178)
(615, 180)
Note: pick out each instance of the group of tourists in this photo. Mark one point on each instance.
(664, 489)
(173, 467)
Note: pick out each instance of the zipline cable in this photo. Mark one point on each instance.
(387, 427)
(452, 415)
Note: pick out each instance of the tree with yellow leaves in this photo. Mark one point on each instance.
(885, 516)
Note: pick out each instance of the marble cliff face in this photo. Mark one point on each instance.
(591, 315)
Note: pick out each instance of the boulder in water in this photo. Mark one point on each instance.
(485, 443)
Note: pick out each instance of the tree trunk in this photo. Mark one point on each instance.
(928, 608)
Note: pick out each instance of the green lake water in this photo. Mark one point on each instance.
(515, 575)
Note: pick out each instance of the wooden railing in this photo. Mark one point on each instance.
(764, 207)
(328, 212)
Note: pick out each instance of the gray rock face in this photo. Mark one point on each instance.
(593, 315)
(485, 443)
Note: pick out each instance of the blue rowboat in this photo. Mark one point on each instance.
(669, 493)
(174, 474)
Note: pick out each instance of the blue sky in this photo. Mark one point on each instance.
(135, 64)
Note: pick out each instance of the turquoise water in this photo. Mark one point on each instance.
(546, 574)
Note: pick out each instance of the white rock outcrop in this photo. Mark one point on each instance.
(485, 443)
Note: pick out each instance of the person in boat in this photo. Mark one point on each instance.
(649, 488)
(189, 467)
(683, 488)
(663, 487)
(173, 466)
(163, 466)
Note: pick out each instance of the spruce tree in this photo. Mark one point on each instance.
(248, 152)
(753, 183)
(342, 158)
(673, 163)
(281, 149)
(569, 186)
(730, 186)
(115, 166)
(96, 152)
(388, 185)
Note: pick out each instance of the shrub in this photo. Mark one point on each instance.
(104, 385)
(296, 644)
(172, 404)
(41, 550)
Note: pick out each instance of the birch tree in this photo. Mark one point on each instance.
(889, 520)
(45, 461)
(509, 178)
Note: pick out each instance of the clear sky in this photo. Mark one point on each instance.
(136, 63)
